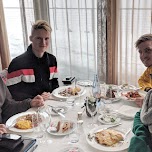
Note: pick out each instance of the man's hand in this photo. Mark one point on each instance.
(46, 95)
(37, 101)
(2, 129)
(139, 101)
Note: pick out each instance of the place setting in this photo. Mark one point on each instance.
(64, 92)
(109, 138)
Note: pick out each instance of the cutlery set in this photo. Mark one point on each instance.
(57, 111)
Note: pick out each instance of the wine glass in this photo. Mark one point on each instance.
(92, 110)
(44, 124)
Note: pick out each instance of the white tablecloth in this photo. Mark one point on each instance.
(56, 143)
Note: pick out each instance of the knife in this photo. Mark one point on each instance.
(59, 113)
(107, 127)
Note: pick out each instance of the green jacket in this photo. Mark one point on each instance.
(142, 139)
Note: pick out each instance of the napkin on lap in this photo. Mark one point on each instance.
(146, 111)
(128, 111)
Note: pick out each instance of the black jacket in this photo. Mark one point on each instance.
(29, 75)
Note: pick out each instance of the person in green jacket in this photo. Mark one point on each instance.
(141, 141)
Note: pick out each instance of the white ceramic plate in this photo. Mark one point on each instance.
(118, 147)
(60, 89)
(85, 83)
(109, 119)
(11, 121)
(127, 87)
(60, 133)
(71, 149)
(110, 100)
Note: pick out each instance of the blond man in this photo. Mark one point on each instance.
(35, 71)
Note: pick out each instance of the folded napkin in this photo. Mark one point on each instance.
(8, 145)
(128, 111)
(146, 111)
(141, 142)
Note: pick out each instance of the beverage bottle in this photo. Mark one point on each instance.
(96, 87)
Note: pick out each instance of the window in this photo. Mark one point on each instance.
(18, 22)
(74, 35)
(134, 20)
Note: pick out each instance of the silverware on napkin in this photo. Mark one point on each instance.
(56, 111)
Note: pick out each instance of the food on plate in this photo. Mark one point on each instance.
(110, 92)
(61, 126)
(23, 124)
(132, 94)
(70, 91)
(109, 118)
(108, 137)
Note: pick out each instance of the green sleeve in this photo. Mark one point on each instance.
(140, 141)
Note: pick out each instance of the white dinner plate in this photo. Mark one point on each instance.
(109, 118)
(71, 149)
(118, 147)
(127, 87)
(85, 83)
(11, 121)
(60, 89)
(59, 133)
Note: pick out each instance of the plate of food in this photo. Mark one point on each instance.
(65, 92)
(111, 94)
(115, 139)
(85, 83)
(109, 118)
(21, 122)
(132, 95)
(61, 128)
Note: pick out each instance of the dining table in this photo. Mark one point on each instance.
(55, 143)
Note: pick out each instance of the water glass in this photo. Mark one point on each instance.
(70, 102)
(36, 124)
(74, 137)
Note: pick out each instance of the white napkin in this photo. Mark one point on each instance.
(128, 111)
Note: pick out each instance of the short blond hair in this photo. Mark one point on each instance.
(41, 24)
(143, 38)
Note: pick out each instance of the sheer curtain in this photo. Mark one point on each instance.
(74, 36)
(134, 19)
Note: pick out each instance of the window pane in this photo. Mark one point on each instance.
(14, 29)
(74, 37)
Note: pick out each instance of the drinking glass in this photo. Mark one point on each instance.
(44, 124)
(36, 125)
(92, 110)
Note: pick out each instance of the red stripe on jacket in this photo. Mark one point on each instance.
(53, 69)
(20, 72)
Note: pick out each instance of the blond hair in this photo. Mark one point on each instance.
(143, 38)
(41, 24)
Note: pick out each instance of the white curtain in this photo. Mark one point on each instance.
(134, 19)
(74, 36)
(74, 32)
